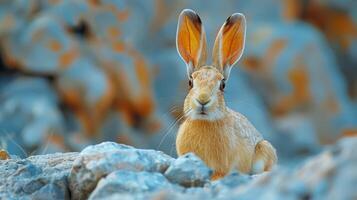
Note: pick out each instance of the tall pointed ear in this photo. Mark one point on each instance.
(191, 40)
(229, 45)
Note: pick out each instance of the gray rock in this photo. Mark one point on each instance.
(97, 161)
(330, 175)
(113, 171)
(129, 182)
(37, 177)
(188, 170)
(192, 194)
(29, 113)
(221, 187)
(104, 147)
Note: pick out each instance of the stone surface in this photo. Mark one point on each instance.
(37, 177)
(29, 114)
(129, 182)
(109, 171)
(330, 175)
(221, 187)
(188, 170)
(97, 161)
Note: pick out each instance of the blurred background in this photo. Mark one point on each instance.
(74, 73)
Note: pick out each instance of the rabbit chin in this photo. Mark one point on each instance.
(209, 115)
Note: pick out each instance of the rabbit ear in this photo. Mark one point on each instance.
(229, 45)
(191, 40)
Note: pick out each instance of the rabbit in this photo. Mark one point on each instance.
(224, 139)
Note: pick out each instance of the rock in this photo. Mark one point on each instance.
(97, 161)
(114, 171)
(129, 182)
(37, 177)
(330, 175)
(29, 114)
(188, 170)
(222, 186)
(289, 81)
(301, 135)
(105, 147)
(191, 193)
(4, 155)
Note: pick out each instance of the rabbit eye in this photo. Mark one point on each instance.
(190, 83)
(222, 86)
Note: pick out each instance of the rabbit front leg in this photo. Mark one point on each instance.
(264, 157)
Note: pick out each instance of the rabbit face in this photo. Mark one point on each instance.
(205, 99)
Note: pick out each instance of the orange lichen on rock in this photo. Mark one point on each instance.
(113, 32)
(74, 100)
(94, 2)
(337, 25)
(273, 52)
(54, 46)
(252, 63)
(54, 2)
(292, 9)
(7, 21)
(331, 104)
(162, 9)
(90, 117)
(300, 94)
(118, 46)
(146, 103)
(12, 62)
(124, 139)
(123, 15)
(265, 64)
(299, 78)
(67, 58)
(136, 104)
(57, 140)
(349, 132)
(104, 103)
(4, 155)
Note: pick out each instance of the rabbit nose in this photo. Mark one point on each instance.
(203, 103)
(203, 99)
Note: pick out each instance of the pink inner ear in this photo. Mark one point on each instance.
(190, 37)
(232, 40)
(229, 43)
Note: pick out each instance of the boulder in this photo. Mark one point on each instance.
(188, 170)
(125, 182)
(29, 114)
(97, 161)
(114, 171)
(329, 175)
(37, 177)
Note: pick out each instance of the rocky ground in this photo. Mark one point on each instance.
(115, 171)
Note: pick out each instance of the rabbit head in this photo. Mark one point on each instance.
(205, 99)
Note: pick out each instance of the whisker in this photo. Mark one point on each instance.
(170, 129)
(174, 108)
(51, 134)
(174, 143)
(3, 144)
(172, 126)
(8, 137)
